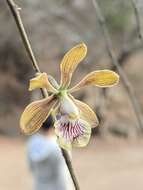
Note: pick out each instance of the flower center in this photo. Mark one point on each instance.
(67, 106)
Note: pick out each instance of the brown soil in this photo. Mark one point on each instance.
(113, 164)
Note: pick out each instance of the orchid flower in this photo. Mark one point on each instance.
(73, 118)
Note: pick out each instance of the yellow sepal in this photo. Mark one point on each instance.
(41, 81)
(35, 114)
(101, 78)
(69, 63)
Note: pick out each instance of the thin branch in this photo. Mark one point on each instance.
(126, 53)
(16, 14)
(124, 78)
(138, 22)
(70, 167)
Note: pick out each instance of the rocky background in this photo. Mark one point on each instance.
(55, 26)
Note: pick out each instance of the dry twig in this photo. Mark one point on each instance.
(124, 78)
(138, 22)
(15, 10)
(126, 53)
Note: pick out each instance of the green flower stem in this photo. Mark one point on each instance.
(16, 14)
(62, 93)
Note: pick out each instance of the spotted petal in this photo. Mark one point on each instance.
(35, 114)
(86, 112)
(41, 81)
(101, 78)
(70, 62)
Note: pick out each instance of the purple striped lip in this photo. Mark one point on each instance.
(70, 129)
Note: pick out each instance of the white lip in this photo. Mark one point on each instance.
(68, 107)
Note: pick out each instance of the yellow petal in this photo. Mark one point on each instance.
(35, 114)
(83, 140)
(101, 78)
(41, 81)
(69, 63)
(86, 112)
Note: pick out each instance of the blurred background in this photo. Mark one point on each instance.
(114, 157)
